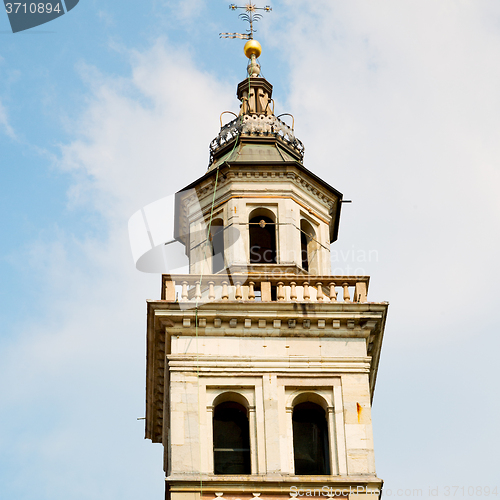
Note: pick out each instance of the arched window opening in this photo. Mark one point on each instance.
(310, 440)
(262, 240)
(231, 439)
(217, 239)
(308, 245)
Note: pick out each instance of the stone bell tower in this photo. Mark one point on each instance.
(261, 365)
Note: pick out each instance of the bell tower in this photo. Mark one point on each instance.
(261, 365)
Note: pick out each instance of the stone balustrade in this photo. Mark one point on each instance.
(264, 287)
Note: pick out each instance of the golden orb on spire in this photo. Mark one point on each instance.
(252, 47)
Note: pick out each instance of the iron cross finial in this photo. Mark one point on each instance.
(251, 15)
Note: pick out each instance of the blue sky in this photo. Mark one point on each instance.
(113, 105)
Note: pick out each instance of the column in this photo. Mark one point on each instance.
(253, 440)
(210, 439)
(289, 427)
(271, 419)
(260, 429)
(340, 430)
(332, 442)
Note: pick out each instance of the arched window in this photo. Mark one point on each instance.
(310, 440)
(308, 245)
(262, 231)
(231, 439)
(217, 238)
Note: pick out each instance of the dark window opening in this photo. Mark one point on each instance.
(303, 248)
(308, 245)
(231, 439)
(262, 240)
(217, 237)
(310, 440)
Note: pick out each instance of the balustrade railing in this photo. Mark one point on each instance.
(265, 288)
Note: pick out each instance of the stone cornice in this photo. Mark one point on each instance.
(255, 366)
(249, 318)
(276, 483)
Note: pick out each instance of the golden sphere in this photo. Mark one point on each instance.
(252, 47)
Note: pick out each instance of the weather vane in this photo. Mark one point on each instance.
(252, 48)
(251, 15)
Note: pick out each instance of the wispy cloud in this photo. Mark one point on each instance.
(106, 17)
(4, 123)
(186, 12)
(142, 134)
